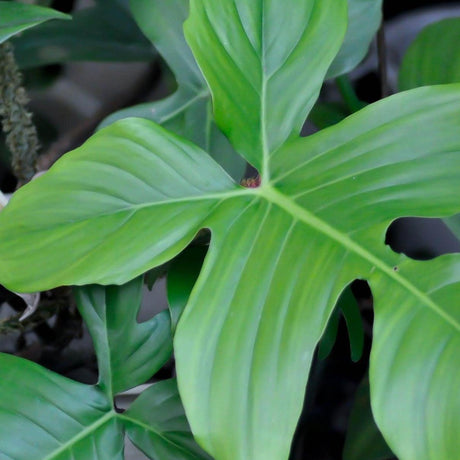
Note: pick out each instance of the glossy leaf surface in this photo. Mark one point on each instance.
(364, 18)
(281, 254)
(128, 353)
(156, 424)
(105, 32)
(16, 17)
(188, 112)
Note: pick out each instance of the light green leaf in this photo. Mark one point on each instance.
(46, 416)
(157, 425)
(188, 111)
(364, 440)
(364, 18)
(100, 33)
(281, 254)
(100, 188)
(251, 53)
(433, 57)
(128, 353)
(16, 17)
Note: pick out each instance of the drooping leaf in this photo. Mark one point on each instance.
(157, 425)
(364, 440)
(433, 57)
(16, 17)
(46, 416)
(100, 33)
(364, 18)
(188, 111)
(281, 254)
(128, 352)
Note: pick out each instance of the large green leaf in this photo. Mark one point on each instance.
(281, 254)
(242, 40)
(156, 423)
(188, 112)
(46, 416)
(112, 189)
(16, 17)
(128, 353)
(105, 32)
(364, 18)
(433, 57)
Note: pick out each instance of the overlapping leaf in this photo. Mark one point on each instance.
(280, 254)
(16, 17)
(188, 112)
(46, 416)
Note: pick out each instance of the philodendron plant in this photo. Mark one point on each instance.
(135, 195)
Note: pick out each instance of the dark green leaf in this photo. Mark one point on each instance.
(157, 425)
(128, 353)
(352, 315)
(182, 276)
(46, 416)
(99, 33)
(364, 440)
(16, 17)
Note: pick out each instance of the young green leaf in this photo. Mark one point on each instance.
(104, 32)
(157, 425)
(280, 254)
(188, 112)
(128, 353)
(16, 17)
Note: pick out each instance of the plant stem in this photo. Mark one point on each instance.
(348, 94)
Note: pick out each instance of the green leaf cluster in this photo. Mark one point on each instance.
(135, 195)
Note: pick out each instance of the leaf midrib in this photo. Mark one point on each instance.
(83, 434)
(287, 204)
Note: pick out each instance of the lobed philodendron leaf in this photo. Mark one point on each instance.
(432, 59)
(46, 416)
(280, 255)
(104, 32)
(128, 353)
(364, 19)
(187, 112)
(16, 17)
